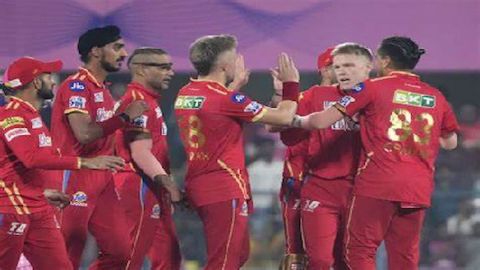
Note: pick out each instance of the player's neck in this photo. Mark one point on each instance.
(30, 97)
(97, 71)
(143, 83)
(214, 77)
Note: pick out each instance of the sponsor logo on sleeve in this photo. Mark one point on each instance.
(238, 98)
(141, 121)
(413, 99)
(189, 102)
(44, 140)
(346, 100)
(12, 121)
(103, 115)
(359, 87)
(76, 102)
(76, 86)
(253, 107)
(98, 97)
(158, 112)
(36, 123)
(155, 212)
(79, 198)
(164, 129)
(16, 132)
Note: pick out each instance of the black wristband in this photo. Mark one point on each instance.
(124, 117)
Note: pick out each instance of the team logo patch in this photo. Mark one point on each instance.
(189, 102)
(36, 123)
(76, 86)
(413, 99)
(103, 114)
(253, 107)
(238, 98)
(346, 100)
(12, 121)
(98, 97)
(16, 132)
(359, 87)
(79, 199)
(76, 102)
(155, 211)
(44, 140)
(158, 112)
(244, 210)
(141, 121)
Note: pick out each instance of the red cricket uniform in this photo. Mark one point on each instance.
(332, 159)
(402, 119)
(27, 221)
(94, 205)
(146, 203)
(210, 118)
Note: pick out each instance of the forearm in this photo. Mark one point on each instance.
(144, 159)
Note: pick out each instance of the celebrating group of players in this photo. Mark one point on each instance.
(358, 169)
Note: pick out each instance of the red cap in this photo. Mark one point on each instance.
(23, 70)
(325, 59)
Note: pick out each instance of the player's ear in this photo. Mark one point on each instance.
(96, 52)
(37, 82)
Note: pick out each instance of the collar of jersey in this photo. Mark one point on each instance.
(23, 103)
(137, 86)
(403, 73)
(223, 87)
(90, 77)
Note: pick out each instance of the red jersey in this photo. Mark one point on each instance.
(210, 119)
(81, 93)
(401, 121)
(26, 148)
(151, 121)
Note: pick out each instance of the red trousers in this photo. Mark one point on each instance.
(225, 226)
(94, 207)
(149, 219)
(36, 235)
(370, 221)
(291, 210)
(324, 208)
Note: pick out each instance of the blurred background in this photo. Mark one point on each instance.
(449, 30)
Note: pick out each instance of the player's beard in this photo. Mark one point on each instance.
(108, 66)
(45, 92)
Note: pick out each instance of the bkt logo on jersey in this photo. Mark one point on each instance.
(238, 98)
(79, 199)
(76, 86)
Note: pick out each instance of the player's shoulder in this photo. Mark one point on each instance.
(12, 115)
(76, 83)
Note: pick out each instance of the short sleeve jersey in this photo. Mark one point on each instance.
(81, 93)
(210, 118)
(401, 121)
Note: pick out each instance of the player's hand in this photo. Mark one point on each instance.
(103, 163)
(170, 186)
(136, 108)
(287, 72)
(56, 198)
(277, 84)
(183, 204)
(241, 75)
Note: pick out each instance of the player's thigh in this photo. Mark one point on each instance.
(44, 244)
(13, 231)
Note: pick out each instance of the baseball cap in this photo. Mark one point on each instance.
(25, 69)
(325, 59)
(97, 37)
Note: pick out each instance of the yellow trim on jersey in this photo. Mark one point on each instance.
(220, 91)
(382, 78)
(230, 233)
(235, 177)
(20, 199)
(68, 111)
(347, 230)
(365, 164)
(259, 115)
(11, 197)
(22, 101)
(208, 81)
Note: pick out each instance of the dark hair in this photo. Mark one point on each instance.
(353, 48)
(403, 52)
(96, 37)
(204, 51)
(146, 51)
